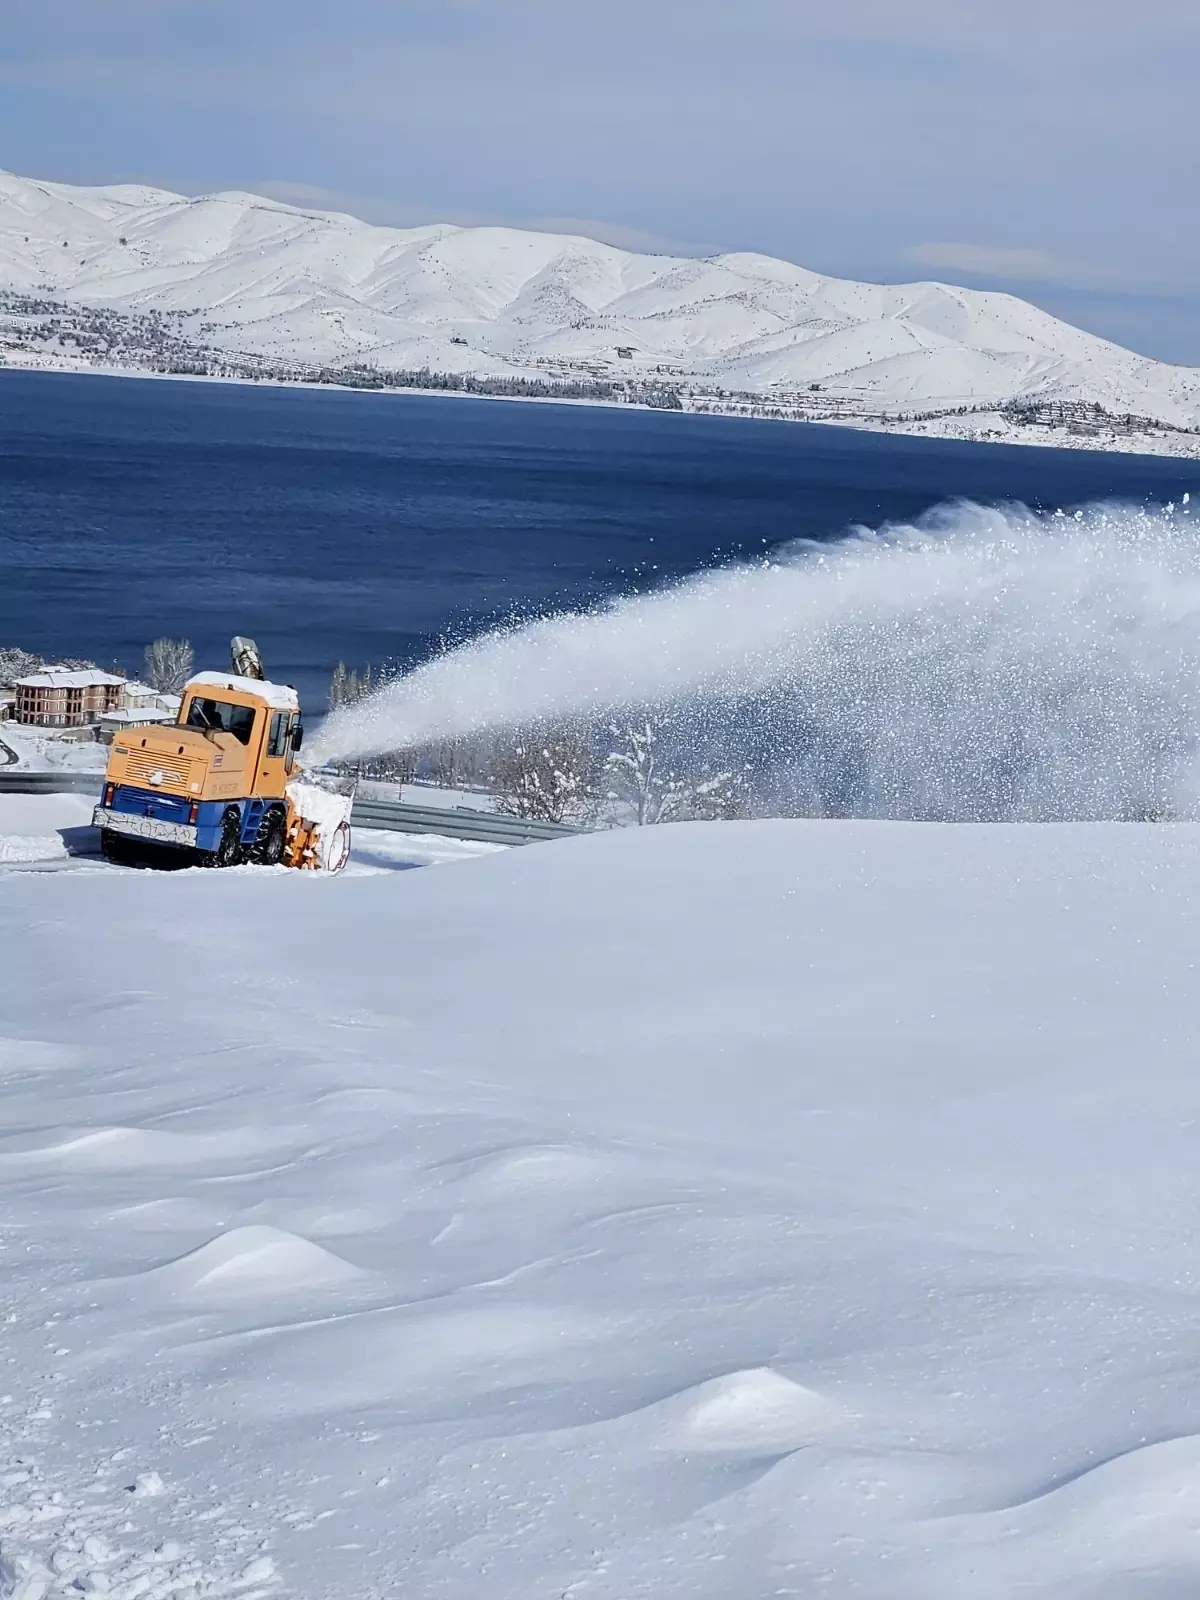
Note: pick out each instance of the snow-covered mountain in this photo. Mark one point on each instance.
(249, 275)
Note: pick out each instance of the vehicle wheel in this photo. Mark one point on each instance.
(114, 848)
(229, 851)
(267, 848)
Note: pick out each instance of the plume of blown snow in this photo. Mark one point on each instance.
(983, 663)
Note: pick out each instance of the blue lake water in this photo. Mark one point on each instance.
(335, 526)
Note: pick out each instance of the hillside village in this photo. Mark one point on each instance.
(65, 713)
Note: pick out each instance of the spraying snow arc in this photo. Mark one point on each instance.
(983, 663)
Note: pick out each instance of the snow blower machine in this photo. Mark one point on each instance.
(222, 784)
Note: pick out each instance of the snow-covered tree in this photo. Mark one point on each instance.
(638, 775)
(660, 787)
(16, 663)
(337, 686)
(545, 773)
(169, 664)
(722, 798)
(348, 685)
(447, 762)
(455, 763)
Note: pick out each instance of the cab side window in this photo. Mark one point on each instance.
(277, 737)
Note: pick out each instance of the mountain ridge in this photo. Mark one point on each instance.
(255, 277)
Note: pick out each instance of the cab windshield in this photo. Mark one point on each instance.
(221, 716)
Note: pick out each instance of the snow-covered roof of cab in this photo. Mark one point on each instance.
(279, 696)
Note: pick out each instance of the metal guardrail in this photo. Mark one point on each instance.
(18, 781)
(458, 822)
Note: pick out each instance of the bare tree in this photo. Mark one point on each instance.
(169, 664)
(546, 774)
(464, 763)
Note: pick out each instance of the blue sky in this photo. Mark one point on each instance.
(1044, 146)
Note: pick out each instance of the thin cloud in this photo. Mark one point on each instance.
(994, 261)
(1022, 264)
(391, 213)
(830, 135)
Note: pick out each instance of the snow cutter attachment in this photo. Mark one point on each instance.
(245, 658)
(318, 833)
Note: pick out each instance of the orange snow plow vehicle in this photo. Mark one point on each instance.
(222, 784)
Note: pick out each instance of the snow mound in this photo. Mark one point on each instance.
(755, 1411)
(120, 1148)
(27, 847)
(253, 1259)
(1141, 1492)
(906, 1113)
(533, 1169)
(1135, 1514)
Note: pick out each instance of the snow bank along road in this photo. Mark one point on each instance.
(714, 1211)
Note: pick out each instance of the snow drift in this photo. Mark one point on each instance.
(692, 1213)
(982, 664)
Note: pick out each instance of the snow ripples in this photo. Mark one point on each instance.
(983, 663)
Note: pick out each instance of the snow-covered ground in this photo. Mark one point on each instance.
(56, 831)
(256, 279)
(718, 1211)
(43, 752)
(46, 828)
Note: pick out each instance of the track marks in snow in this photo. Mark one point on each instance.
(103, 1528)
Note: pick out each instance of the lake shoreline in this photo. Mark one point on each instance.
(948, 430)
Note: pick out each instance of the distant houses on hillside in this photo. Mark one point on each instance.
(83, 702)
(66, 699)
